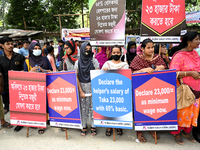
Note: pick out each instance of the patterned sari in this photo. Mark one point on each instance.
(140, 62)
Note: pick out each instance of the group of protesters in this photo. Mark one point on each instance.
(74, 55)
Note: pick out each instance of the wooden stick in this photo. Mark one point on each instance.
(27, 135)
(159, 49)
(66, 134)
(155, 138)
(114, 134)
(60, 24)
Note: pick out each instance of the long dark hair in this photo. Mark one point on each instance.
(189, 36)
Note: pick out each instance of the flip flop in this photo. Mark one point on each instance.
(41, 131)
(189, 137)
(7, 125)
(178, 139)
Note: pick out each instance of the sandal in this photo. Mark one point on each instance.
(153, 135)
(178, 139)
(41, 131)
(93, 131)
(63, 129)
(189, 137)
(141, 138)
(108, 132)
(119, 132)
(84, 131)
(7, 125)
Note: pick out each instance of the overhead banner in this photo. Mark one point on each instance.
(27, 92)
(112, 98)
(162, 20)
(193, 17)
(76, 34)
(107, 22)
(155, 106)
(62, 94)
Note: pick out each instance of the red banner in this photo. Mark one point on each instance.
(162, 21)
(27, 93)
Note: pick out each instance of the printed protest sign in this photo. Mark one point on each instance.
(155, 101)
(162, 20)
(27, 92)
(112, 98)
(107, 22)
(193, 17)
(76, 34)
(63, 100)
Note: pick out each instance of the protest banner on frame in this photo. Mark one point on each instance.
(107, 22)
(76, 34)
(112, 98)
(62, 94)
(27, 92)
(155, 101)
(162, 21)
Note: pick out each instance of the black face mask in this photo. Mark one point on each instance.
(116, 57)
(88, 53)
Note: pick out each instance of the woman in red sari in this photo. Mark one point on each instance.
(147, 62)
(187, 62)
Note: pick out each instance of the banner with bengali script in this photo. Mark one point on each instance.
(112, 98)
(27, 92)
(62, 94)
(155, 101)
(162, 20)
(107, 22)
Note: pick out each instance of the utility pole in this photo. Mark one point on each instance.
(82, 13)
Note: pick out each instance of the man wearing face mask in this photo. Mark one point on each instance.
(131, 51)
(9, 61)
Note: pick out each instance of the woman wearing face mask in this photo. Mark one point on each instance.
(115, 63)
(70, 55)
(147, 62)
(37, 63)
(83, 65)
(131, 51)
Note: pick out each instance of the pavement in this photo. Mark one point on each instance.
(55, 139)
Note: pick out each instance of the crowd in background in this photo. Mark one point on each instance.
(82, 57)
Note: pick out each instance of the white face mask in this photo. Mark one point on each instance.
(37, 52)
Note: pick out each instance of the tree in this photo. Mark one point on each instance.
(25, 14)
(55, 7)
(3, 4)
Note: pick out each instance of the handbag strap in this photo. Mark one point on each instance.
(179, 79)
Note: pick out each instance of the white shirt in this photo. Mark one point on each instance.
(110, 65)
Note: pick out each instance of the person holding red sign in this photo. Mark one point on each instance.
(187, 63)
(115, 63)
(9, 60)
(147, 62)
(83, 65)
(37, 63)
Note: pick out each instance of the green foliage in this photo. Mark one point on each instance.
(194, 5)
(29, 11)
(39, 14)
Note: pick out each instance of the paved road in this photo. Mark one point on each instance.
(54, 139)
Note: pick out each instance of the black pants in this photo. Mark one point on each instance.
(5, 97)
(197, 129)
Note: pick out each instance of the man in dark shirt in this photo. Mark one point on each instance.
(9, 61)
